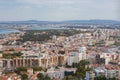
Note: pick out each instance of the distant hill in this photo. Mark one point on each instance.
(24, 22)
(93, 21)
(61, 22)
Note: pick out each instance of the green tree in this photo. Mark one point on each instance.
(100, 78)
(74, 65)
(47, 77)
(81, 70)
(24, 77)
(69, 77)
(37, 68)
(19, 69)
(114, 78)
(11, 56)
(61, 52)
(40, 76)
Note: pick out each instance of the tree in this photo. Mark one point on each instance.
(37, 68)
(100, 78)
(56, 67)
(83, 63)
(40, 76)
(74, 65)
(24, 76)
(69, 78)
(114, 78)
(47, 77)
(61, 52)
(81, 70)
(19, 69)
(11, 49)
(11, 56)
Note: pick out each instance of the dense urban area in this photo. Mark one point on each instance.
(63, 52)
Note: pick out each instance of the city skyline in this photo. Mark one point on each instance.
(54, 10)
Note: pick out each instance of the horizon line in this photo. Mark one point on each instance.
(59, 20)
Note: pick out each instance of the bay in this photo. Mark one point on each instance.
(7, 31)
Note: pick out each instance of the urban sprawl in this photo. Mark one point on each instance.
(91, 52)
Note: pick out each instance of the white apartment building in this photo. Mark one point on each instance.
(59, 74)
(75, 57)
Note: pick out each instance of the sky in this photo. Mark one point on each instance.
(59, 10)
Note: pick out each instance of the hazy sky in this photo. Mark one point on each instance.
(58, 10)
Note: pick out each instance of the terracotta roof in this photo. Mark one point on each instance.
(3, 78)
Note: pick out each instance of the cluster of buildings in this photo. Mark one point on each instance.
(61, 51)
(109, 71)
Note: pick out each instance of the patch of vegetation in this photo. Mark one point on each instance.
(104, 78)
(37, 68)
(11, 56)
(71, 77)
(80, 72)
(19, 69)
(45, 35)
(81, 69)
(40, 76)
(61, 52)
(24, 77)
(117, 43)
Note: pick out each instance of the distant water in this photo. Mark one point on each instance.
(7, 31)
